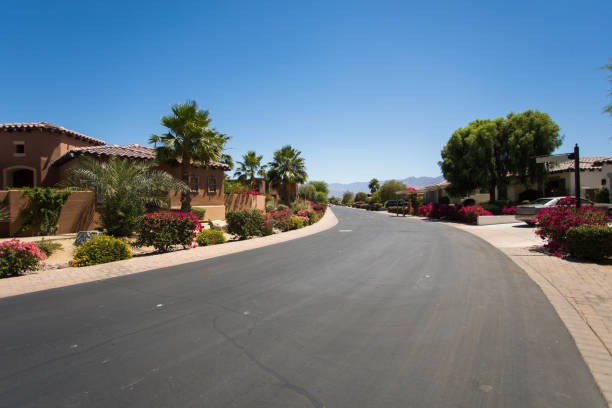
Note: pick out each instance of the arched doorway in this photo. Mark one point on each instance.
(19, 176)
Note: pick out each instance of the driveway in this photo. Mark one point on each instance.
(372, 313)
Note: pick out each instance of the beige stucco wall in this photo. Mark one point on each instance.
(77, 214)
(239, 202)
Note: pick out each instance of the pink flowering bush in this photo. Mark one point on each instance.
(467, 214)
(552, 223)
(249, 192)
(281, 220)
(162, 230)
(508, 210)
(310, 215)
(17, 257)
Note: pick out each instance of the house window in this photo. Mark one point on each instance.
(212, 184)
(194, 183)
(19, 148)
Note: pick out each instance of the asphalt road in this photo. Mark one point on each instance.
(376, 312)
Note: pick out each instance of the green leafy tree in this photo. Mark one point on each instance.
(307, 192)
(320, 186)
(375, 197)
(320, 197)
(190, 141)
(488, 154)
(126, 187)
(361, 196)
(388, 191)
(334, 200)
(249, 168)
(286, 170)
(374, 185)
(347, 198)
(227, 159)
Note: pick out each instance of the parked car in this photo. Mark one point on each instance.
(527, 212)
(395, 203)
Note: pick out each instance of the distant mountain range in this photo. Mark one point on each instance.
(337, 189)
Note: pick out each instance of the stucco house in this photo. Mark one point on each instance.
(40, 153)
(606, 174)
(28, 151)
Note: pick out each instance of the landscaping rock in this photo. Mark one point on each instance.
(83, 236)
(219, 225)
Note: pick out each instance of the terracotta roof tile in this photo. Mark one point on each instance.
(16, 127)
(586, 164)
(133, 151)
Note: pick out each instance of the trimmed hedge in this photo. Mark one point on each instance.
(592, 242)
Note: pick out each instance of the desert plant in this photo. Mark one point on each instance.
(48, 247)
(297, 222)
(101, 249)
(249, 168)
(17, 257)
(210, 237)
(591, 242)
(163, 230)
(126, 188)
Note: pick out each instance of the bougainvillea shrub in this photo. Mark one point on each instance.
(309, 213)
(320, 208)
(162, 230)
(17, 257)
(281, 220)
(552, 223)
(467, 214)
(101, 249)
(248, 192)
(245, 223)
(508, 210)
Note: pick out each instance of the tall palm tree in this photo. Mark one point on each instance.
(374, 185)
(126, 188)
(189, 141)
(249, 168)
(287, 170)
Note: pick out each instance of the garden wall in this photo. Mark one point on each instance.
(77, 214)
(238, 202)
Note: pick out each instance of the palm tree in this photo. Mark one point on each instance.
(287, 170)
(126, 187)
(374, 185)
(189, 141)
(250, 168)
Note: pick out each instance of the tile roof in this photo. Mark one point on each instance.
(586, 164)
(132, 151)
(17, 127)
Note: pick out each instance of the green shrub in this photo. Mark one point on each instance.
(282, 207)
(602, 196)
(48, 247)
(163, 230)
(101, 249)
(244, 224)
(592, 242)
(198, 212)
(232, 187)
(299, 206)
(296, 222)
(444, 200)
(210, 237)
(469, 202)
(17, 257)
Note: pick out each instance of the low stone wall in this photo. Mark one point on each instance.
(239, 202)
(77, 214)
(496, 219)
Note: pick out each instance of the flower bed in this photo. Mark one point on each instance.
(17, 257)
(553, 223)
(452, 212)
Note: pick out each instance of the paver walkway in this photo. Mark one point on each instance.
(56, 278)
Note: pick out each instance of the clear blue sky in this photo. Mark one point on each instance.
(363, 89)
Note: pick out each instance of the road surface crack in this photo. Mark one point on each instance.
(284, 381)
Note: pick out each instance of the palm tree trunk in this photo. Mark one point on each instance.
(186, 195)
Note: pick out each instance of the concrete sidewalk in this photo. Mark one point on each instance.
(580, 292)
(56, 278)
